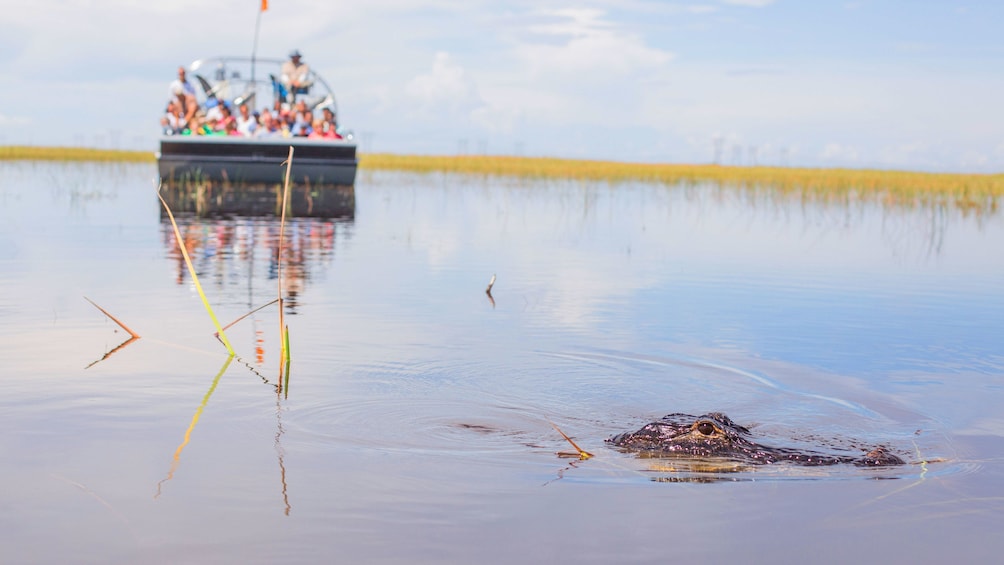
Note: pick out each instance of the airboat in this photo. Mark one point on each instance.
(233, 81)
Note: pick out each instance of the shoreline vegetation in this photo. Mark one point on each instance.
(967, 190)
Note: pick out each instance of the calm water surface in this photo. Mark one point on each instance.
(415, 426)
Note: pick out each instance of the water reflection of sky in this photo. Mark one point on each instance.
(612, 304)
(856, 288)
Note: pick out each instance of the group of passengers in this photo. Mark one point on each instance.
(288, 117)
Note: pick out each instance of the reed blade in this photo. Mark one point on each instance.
(191, 270)
(282, 230)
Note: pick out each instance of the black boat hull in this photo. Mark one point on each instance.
(257, 160)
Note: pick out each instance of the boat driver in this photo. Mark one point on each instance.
(295, 75)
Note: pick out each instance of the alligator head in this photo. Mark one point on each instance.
(715, 435)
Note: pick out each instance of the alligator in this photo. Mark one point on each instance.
(715, 435)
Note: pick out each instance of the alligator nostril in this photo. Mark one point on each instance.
(706, 428)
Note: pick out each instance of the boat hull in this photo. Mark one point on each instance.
(257, 160)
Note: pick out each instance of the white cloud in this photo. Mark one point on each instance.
(6, 120)
(701, 8)
(446, 89)
(750, 3)
(583, 42)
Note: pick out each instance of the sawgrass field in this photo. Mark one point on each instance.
(967, 190)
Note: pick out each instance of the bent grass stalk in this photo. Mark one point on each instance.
(113, 318)
(581, 453)
(133, 335)
(191, 269)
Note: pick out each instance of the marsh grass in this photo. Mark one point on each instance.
(35, 153)
(894, 187)
(968, 191)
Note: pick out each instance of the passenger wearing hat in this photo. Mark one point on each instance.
(295, 75)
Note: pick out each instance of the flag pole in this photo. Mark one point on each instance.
(254, 48)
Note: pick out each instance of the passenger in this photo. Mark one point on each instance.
(281, 112)
(317, 129)
(182, 85)
(246, 123)
(330, 125)
(226, 118)
(170, 123)
(269, 127)
(184, 93)
(213, 109)
(231, 129)
(295, 75)
(302, 120)
(208, 126)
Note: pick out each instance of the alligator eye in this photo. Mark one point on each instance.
(706, 428)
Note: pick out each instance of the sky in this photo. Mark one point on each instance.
(915, 85)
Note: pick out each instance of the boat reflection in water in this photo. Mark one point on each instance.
(243, 251)
(207, 198)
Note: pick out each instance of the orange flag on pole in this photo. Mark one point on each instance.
(264, 5)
